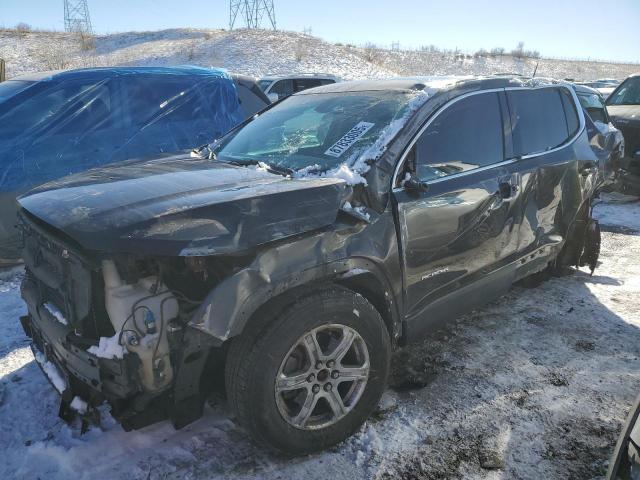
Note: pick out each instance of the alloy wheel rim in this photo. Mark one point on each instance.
(322, 377)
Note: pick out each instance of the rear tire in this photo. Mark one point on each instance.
(311, 375)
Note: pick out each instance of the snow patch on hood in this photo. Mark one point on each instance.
(351, 175)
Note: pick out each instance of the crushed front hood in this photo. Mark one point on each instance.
(183, 206)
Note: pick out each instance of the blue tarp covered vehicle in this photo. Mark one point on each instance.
(58, 123)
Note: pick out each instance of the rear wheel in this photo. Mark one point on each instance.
(310, 377)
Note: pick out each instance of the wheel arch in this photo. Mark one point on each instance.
(264, 296)
(575, 234)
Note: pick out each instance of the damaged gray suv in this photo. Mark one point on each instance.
(293, 255)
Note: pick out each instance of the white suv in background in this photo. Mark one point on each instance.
(277, 87)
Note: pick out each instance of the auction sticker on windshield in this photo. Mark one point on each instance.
(351, 137)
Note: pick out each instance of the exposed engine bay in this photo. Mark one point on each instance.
(119, 327)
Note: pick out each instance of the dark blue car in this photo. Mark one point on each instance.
(57, 123)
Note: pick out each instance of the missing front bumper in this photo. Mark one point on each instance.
(78, 373)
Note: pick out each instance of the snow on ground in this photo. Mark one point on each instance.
(535, 385)
(261, 52)
(619, 211)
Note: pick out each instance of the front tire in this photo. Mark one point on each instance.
(312, 375)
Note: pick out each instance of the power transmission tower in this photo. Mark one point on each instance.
(252, 12)
(76, 16)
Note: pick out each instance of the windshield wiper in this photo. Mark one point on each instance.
(205, 151)
(279, 169)
(285, 171)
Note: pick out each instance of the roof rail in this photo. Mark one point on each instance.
(301, 74)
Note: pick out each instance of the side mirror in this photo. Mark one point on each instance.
(415, 185)
(273, 97)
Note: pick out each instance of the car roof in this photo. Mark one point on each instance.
(272, 77)
(116, 71)
(35, 77)
(391, 84)
(431, 83)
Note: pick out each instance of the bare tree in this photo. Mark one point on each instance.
(87, 40)
(52, 56)
(22, 29)
(481, 53)
(518, 52)
(301, 51)
(532, 54)
(190, 50)
(371, 53)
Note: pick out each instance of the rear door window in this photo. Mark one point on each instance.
(538, 120)
(465, 136)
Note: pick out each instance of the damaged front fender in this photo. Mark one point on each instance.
(337, 256)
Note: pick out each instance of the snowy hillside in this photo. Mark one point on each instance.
(259, 52)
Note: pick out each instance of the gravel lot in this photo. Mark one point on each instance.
(536, 385)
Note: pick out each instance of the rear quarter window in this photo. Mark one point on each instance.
(538, 120)
(594, 106)
(570, 112)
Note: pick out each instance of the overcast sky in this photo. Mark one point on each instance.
(597, 29)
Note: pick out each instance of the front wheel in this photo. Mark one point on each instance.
(313, 374)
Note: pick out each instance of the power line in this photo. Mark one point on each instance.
(251, 12)
(76, 16)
